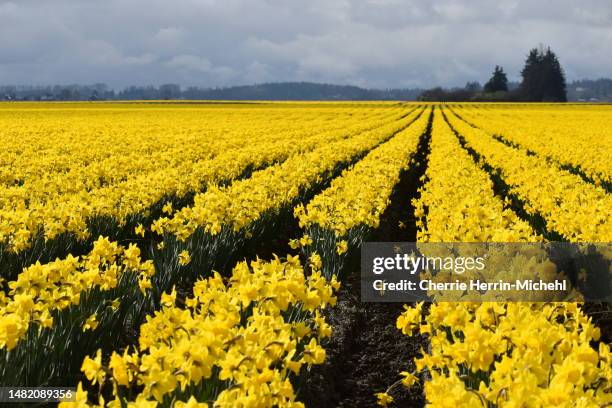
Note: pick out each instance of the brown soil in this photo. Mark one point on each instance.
(364, 356)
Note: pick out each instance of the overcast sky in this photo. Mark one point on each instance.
(372, 43)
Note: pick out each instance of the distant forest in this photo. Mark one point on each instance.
(306, 91)
(599, 90)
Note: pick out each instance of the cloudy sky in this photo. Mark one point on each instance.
(372, 43)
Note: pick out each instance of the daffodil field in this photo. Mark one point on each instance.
(199, 254)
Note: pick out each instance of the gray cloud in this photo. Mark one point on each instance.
(373, 43)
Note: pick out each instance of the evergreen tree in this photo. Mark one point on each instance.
(554, 88)
(543, 77)
(530, 87)
(498, 81)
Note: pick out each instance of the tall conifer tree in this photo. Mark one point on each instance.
(498, 81)
(543, 77)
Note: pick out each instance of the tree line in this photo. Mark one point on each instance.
(543, 80)
(267, 91)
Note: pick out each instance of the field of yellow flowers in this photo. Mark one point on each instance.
(206, 254)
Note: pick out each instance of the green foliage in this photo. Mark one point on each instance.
(543, 77)
(498, 81)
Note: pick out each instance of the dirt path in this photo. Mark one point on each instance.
(367, 352)
(365, 355)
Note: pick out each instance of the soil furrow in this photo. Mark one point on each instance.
(367, 352)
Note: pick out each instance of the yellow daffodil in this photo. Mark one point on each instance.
(184, 258)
